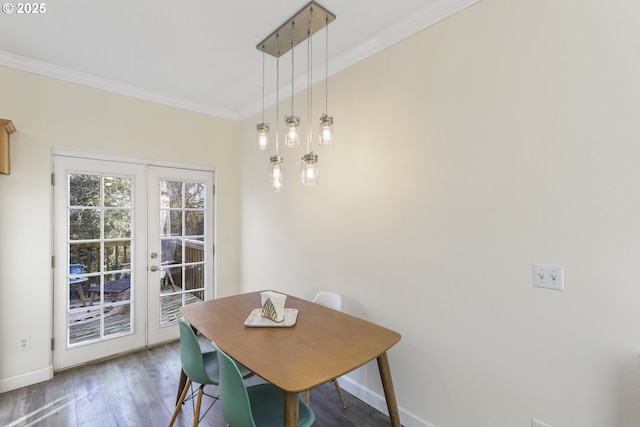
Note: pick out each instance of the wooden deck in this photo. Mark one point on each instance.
(183, 260)
(85, 321)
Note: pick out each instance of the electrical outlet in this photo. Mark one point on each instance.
(537, 423)
(548, 276)
(24, 343)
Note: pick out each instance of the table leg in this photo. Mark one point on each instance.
(389, 393)
(81, 294)
(181, 384)
(291, 409)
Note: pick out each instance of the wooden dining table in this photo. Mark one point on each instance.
(323, 344)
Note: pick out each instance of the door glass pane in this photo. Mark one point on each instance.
(193, 277)
(194, 250)
(170, 250)
(195, 193)
(182, 219)
(117, 223)
(194, 223)
(84, 325)
(100, 248)
(175, 226)
(117, 256)
(84, 224)
(170, 280)
(84, 190)
(117, 191)
(115, 323)
(173, 190)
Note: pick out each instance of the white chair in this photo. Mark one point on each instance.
(334, 301)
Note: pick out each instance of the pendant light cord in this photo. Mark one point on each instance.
(277, 91)
(263, 55)
(293, 30)
(309, 79)
(326, 69)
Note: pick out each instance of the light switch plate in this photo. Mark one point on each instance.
(548, 276)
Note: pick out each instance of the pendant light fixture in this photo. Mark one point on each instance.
(263, 128)
(276, 173)
(309, 163)
(325, 135)
(292, 139)
(288, 35)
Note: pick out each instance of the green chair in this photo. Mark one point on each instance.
(260, 405)
(199, 367)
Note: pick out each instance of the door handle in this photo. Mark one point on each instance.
(154, 268)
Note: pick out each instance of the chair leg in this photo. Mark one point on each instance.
(173, 284)
(335, 382)
(196, 416)
(180, 401)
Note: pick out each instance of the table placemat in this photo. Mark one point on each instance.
(255, 319)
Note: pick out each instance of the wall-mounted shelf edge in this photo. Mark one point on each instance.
(6, 129)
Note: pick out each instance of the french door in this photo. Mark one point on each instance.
(133, 244)
(180, 245)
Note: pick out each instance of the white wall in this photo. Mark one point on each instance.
(54, 114)
(503, 136)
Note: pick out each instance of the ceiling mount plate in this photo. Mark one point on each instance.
(309, 19)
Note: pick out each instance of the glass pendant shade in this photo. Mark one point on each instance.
(263, 136)
(276, 174)
(326, 130)
(292, 136)
(284, 39)
(309, 169)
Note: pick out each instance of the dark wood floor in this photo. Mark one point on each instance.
(139, 389)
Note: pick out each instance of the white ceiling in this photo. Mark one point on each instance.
(200, 54)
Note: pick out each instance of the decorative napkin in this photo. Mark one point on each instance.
(273, 305)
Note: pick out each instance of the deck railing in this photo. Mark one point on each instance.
(117, 257)
(117, 253)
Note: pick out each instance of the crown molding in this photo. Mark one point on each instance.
(430, 15)
(417, 22)
(61, 73)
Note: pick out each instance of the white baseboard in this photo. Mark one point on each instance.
(379, 402)
(23, 380)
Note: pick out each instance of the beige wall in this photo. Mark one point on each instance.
(50, 114)
(503, 136)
